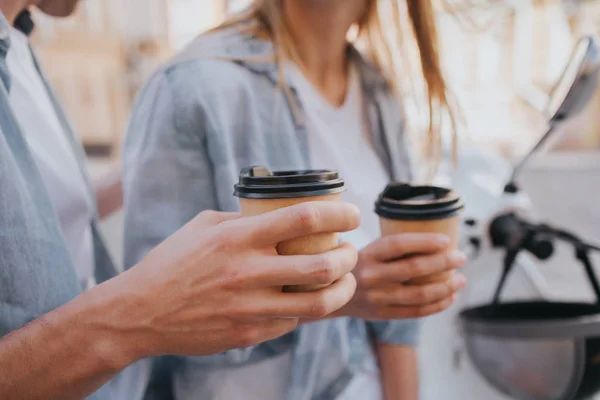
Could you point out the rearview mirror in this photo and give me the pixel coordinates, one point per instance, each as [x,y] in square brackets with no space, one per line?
[569,96]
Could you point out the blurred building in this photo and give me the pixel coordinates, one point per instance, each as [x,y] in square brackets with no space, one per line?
[501,61]
[99,58]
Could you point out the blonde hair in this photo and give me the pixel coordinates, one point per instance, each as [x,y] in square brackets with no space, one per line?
[385,45]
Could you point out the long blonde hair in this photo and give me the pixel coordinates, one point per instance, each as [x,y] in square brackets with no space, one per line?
[386,47]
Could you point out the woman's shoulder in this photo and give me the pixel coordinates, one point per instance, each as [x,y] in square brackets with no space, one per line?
[206,78]
[221,63]
[210,83]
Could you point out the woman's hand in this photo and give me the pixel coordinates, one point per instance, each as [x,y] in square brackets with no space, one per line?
[387,264]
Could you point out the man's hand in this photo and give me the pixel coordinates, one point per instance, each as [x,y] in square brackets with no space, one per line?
[213,286]
[388,263]
[216,284]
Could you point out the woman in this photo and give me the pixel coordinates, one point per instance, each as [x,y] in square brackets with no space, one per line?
[281,86]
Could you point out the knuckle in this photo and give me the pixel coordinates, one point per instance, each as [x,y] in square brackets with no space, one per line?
[248,335]
[398,243]
[374,299]
[416,266]
[350,260]
[222,236]
[232,238]
[366,277]
[352,218]
[421,312]
[319,309]
[307,217]
[362,276]
[422,295]
[223,246]
[235,266]
[448,261]
[236,277]
[326,269]
[449,288]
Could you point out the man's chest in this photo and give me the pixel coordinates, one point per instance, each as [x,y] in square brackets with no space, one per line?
[36,274]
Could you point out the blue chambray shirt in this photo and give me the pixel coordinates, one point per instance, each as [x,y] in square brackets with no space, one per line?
[211,111]
[36,271]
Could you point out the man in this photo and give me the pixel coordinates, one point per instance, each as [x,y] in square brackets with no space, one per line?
[67,324]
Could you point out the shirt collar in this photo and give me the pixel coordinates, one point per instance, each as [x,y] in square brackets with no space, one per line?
[24,22]
[4,36]
[258,55]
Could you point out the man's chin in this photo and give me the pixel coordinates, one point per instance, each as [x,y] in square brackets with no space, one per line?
[58,8]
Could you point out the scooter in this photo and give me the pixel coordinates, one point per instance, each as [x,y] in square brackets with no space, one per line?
[529,348]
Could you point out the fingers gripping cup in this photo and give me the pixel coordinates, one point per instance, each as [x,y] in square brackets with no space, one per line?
[261,191]
[403,208]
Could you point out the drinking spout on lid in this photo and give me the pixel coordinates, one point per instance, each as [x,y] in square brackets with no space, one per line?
[256,171]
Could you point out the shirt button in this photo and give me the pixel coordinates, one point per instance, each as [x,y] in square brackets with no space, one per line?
[3,34]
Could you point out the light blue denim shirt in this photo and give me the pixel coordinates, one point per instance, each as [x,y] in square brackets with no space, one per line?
[36,272]
[214,109]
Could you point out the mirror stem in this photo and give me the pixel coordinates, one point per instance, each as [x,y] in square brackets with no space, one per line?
[511,186]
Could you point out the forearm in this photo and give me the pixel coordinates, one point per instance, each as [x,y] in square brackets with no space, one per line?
[399,372]
[66,354]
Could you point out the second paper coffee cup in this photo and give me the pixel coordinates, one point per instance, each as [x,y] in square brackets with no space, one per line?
[261,190]
[403,208]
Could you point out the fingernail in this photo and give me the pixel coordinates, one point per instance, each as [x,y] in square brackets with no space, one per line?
[442,240]
[458,257]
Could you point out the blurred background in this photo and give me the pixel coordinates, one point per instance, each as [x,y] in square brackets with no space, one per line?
[501,58]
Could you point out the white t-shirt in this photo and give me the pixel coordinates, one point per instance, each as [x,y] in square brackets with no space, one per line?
[53,155]
[338,139]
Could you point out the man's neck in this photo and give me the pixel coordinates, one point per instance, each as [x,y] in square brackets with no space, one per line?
[12,8]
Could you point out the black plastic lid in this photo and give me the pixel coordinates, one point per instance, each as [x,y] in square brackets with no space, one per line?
[402,201]
[261,183]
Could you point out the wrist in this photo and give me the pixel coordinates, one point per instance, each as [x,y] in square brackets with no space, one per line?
[101,318]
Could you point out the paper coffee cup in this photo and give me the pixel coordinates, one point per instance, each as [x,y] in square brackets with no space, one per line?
[403,208]
[261,191]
